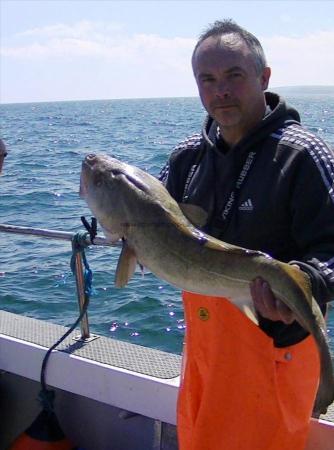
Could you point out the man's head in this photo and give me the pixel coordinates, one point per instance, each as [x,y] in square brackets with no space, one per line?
[229,28]
[3,154]
[231,73]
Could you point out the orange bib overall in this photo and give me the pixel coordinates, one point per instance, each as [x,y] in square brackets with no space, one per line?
[238,391]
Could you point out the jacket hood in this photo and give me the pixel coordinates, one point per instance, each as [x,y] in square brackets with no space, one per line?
[280,114]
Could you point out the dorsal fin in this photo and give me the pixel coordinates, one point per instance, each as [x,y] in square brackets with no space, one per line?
[195,214]
[174,213]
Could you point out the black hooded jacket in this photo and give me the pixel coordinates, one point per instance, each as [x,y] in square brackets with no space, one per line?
[281,178]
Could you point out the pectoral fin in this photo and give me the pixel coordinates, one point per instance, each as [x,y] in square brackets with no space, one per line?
[300,278]
[251,314]
[126,266]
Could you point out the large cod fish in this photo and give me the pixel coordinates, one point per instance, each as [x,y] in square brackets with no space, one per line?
[134,206]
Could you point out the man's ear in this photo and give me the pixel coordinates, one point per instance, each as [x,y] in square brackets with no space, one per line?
[265,78]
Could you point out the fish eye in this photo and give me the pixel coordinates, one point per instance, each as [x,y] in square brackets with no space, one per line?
[116,172]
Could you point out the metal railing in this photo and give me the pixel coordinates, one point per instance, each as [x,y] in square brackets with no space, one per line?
[79,273]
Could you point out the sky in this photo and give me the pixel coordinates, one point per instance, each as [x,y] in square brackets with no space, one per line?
[53,50]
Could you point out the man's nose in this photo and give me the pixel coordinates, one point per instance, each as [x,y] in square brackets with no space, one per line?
[222,89]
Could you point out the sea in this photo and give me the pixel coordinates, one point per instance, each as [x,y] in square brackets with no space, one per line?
[39,188]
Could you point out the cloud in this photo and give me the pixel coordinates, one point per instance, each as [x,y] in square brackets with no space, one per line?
[103,60]
[295,60]
[101,41]
[301,60]
[81,29]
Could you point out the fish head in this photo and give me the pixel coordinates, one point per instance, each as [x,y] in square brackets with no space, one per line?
[111,189]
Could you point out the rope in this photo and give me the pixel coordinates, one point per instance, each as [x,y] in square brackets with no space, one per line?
[80,241]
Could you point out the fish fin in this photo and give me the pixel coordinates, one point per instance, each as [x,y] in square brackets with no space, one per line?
[195,214]
[216,244]
[251,314]
[126,266]
[209,241]
[300,277]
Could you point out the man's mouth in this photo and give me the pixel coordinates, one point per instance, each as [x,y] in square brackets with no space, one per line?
[227,106]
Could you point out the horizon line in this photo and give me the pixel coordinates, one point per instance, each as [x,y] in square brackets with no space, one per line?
[297,86]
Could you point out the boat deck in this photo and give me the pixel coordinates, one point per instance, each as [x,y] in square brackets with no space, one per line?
[104,350]
[119,354]
[106,390]
[105,379]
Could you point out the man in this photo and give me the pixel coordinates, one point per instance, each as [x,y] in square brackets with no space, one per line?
[266,184]
[3,154]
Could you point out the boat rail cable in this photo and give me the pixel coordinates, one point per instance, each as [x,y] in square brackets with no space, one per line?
[46,396]
[51,234]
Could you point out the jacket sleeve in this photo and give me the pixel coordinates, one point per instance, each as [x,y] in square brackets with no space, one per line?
[312,212]
[170,176]
[175,172]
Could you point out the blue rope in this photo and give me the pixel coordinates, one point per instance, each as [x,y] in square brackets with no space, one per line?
[80,242]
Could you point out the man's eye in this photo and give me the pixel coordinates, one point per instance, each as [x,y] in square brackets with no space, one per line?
[236,75]
[207,80]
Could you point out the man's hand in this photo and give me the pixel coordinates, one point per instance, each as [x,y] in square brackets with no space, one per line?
[267,305]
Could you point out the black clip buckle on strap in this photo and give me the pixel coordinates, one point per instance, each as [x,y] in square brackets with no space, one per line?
[91,228]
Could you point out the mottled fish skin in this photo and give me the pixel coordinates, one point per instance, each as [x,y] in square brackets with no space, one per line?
[133,205]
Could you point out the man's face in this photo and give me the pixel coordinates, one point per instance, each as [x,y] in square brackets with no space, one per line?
[230,88]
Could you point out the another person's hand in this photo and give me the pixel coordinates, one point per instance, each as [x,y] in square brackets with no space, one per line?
[3,153]
[267,305]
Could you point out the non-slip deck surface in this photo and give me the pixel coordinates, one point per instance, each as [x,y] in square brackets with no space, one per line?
[116,353]
[104,350]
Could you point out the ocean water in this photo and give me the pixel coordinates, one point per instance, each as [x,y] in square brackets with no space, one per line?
[39,188]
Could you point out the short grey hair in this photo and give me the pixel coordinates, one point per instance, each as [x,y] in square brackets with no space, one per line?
[228,26]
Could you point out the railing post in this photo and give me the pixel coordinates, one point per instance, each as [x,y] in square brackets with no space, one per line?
[80,282]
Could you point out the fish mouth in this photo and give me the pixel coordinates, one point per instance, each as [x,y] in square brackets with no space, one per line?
[89,160]
[87,165]
[82,189]
[104,162]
